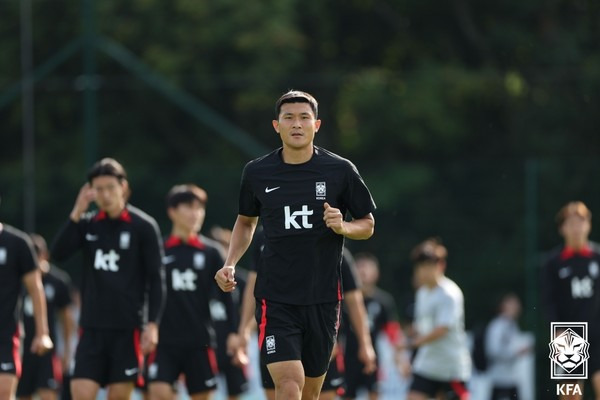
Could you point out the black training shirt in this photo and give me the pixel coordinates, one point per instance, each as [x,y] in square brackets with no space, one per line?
[122,266]
[300,262]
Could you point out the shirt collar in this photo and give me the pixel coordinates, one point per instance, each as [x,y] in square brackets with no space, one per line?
[193,241]
[569,252]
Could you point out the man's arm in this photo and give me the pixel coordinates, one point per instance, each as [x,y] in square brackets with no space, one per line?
[42,342]
[241,237]
[437,333]
[357,229]
[68,327]
[358,317]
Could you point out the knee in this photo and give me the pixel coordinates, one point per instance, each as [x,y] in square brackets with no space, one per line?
[288,388]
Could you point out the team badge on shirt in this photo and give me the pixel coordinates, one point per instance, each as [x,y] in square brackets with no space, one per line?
[124,240]
[2,255]
[594,269]
[320,190]
[199,260]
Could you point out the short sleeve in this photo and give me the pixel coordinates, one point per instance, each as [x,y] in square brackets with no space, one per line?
[357,196]
[447,312]
[249,205]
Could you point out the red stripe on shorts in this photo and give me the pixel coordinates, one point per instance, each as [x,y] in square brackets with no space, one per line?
[16,355]
[57,371]
[140,357]
[212,360]
[263,324]
[460,389]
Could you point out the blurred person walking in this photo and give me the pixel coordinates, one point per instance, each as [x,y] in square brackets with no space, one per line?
[442,364]
[122,284]
[187,335]
[42,374]
[18,266]
[382,319]
[571,281]
[504,345]
[302,194]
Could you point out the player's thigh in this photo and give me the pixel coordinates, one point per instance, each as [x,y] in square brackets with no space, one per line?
[91,361]
[280,331]
[286,372]
[8,385]
[160,391]
[84,389]
[47,394]
[119,391]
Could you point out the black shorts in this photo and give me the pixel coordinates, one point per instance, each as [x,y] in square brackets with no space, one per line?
[39,372]
[109,356]
[356,378]
[10,361]
[197,363]
[291,332]
[235,377]
[452,389]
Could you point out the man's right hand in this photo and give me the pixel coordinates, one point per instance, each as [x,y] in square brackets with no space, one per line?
[225,278]
[84,198]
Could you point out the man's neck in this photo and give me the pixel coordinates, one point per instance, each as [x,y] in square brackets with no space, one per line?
[182,233]
[297,156]
[576,244]
[116,212]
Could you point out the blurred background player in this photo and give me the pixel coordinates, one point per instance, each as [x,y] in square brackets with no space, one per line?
[382,319]
[187,336]
[233,374]
[122,274]
[571,277]
[18,265]
[42,375]
[504,345]
[442,363]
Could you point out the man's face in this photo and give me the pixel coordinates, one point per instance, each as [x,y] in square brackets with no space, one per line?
[368,272]
[426,273]
[296,125]
[109,193]
[188,216]
[576,228]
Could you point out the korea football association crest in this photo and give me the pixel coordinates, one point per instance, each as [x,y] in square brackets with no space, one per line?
[270,344]
[199,260]
[320,190]
[569,350]
[2,255]
[124,240]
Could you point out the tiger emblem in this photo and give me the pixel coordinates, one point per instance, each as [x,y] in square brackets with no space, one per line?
[569,350]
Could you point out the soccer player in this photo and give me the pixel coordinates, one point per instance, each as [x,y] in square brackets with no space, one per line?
[302,194]
[18,265]
[443,362]
[187,336]
[571,277]
[43,374]
[504,345]
[123,272]
[382,319]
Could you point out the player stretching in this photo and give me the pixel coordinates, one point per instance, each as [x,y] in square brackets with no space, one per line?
[302,193]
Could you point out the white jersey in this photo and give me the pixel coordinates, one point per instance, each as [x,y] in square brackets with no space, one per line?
[447,358]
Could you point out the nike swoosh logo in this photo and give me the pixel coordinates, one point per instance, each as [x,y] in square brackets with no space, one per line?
[131,371]
[269,190]
[210,382]
[6,366]
[91,238]
[168,259]
[336,381]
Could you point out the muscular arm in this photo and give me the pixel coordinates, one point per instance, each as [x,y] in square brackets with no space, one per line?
[357,229]
[241,237]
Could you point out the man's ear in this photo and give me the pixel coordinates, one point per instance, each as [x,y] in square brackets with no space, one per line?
[317,125]
[276,125]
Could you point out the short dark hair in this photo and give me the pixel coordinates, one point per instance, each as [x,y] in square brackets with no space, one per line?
[573,208]
[186,193]
[429,250]
[107,167]
[367,256]
[296,96]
